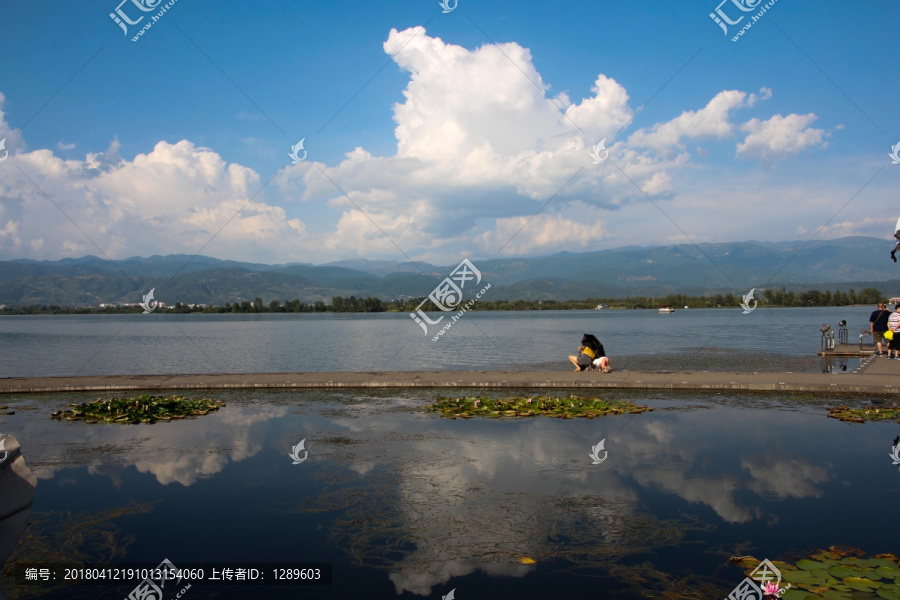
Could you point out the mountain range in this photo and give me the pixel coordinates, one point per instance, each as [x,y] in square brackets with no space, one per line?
[631,271]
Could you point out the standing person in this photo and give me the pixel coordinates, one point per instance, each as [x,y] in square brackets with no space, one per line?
[897,245]
[878,324]
[894,326]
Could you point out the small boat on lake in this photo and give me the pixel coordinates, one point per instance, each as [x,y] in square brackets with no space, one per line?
[601,307]
[666,309]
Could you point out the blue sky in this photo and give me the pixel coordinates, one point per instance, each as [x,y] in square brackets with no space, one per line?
[454,147]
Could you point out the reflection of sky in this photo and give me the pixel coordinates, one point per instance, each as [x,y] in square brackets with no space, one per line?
[470,496]
[763,466]
[177,452]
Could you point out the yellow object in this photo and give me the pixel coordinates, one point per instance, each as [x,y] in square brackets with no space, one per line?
[888,335]
[589,352]
[527,561]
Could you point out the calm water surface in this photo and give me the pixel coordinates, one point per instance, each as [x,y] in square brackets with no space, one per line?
[405,504]
[706,339]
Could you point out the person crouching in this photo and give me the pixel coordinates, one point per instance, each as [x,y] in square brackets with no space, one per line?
[589,350]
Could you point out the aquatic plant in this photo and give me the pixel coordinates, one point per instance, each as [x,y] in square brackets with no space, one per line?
[841,572]
[565,407]
[74,538]
[861,415]
[143,409]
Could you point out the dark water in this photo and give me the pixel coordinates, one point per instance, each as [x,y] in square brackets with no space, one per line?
[695,339]
[402,502]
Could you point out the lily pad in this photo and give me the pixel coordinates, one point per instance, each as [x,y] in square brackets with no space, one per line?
[809,565]
[794,594]
[835,595]
[143,409]
[888,594]
[861,583]
[565,407]
[888,572]
[841,572]
[861,415]
[801,577]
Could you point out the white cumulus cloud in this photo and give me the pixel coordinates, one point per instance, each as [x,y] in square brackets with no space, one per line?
[779,136]
[482,146]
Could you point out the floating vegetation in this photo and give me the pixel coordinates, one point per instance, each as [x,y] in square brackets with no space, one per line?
[143,409]
[838,573]
[339,440]
[564,408]
[64,537]
[861,415]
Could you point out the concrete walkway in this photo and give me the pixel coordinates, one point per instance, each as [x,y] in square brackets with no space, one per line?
[876,375]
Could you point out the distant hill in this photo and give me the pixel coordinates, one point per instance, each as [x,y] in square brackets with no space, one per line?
[852,262]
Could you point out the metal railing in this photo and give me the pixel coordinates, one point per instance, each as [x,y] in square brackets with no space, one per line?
[865,332]
[827,340]
[842,333]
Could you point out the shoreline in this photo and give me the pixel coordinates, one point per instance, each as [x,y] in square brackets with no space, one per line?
[875,376]
[81,311]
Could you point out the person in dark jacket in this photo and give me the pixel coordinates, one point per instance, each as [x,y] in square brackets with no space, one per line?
[878,324]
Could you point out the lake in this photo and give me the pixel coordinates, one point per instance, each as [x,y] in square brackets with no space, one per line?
[405,504]
[700,339]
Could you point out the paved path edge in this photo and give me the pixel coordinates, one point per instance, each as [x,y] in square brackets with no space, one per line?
[814,383]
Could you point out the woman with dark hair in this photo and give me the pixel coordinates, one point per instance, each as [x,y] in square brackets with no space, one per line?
[589,350]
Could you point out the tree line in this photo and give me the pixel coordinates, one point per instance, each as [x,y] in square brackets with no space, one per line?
[772,298]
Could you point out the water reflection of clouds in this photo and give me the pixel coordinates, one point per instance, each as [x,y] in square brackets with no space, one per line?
[176,452]
[715,492]
[473,495]
[773,472]
[422,582]
[480,500]
[782,476]
[457,495]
